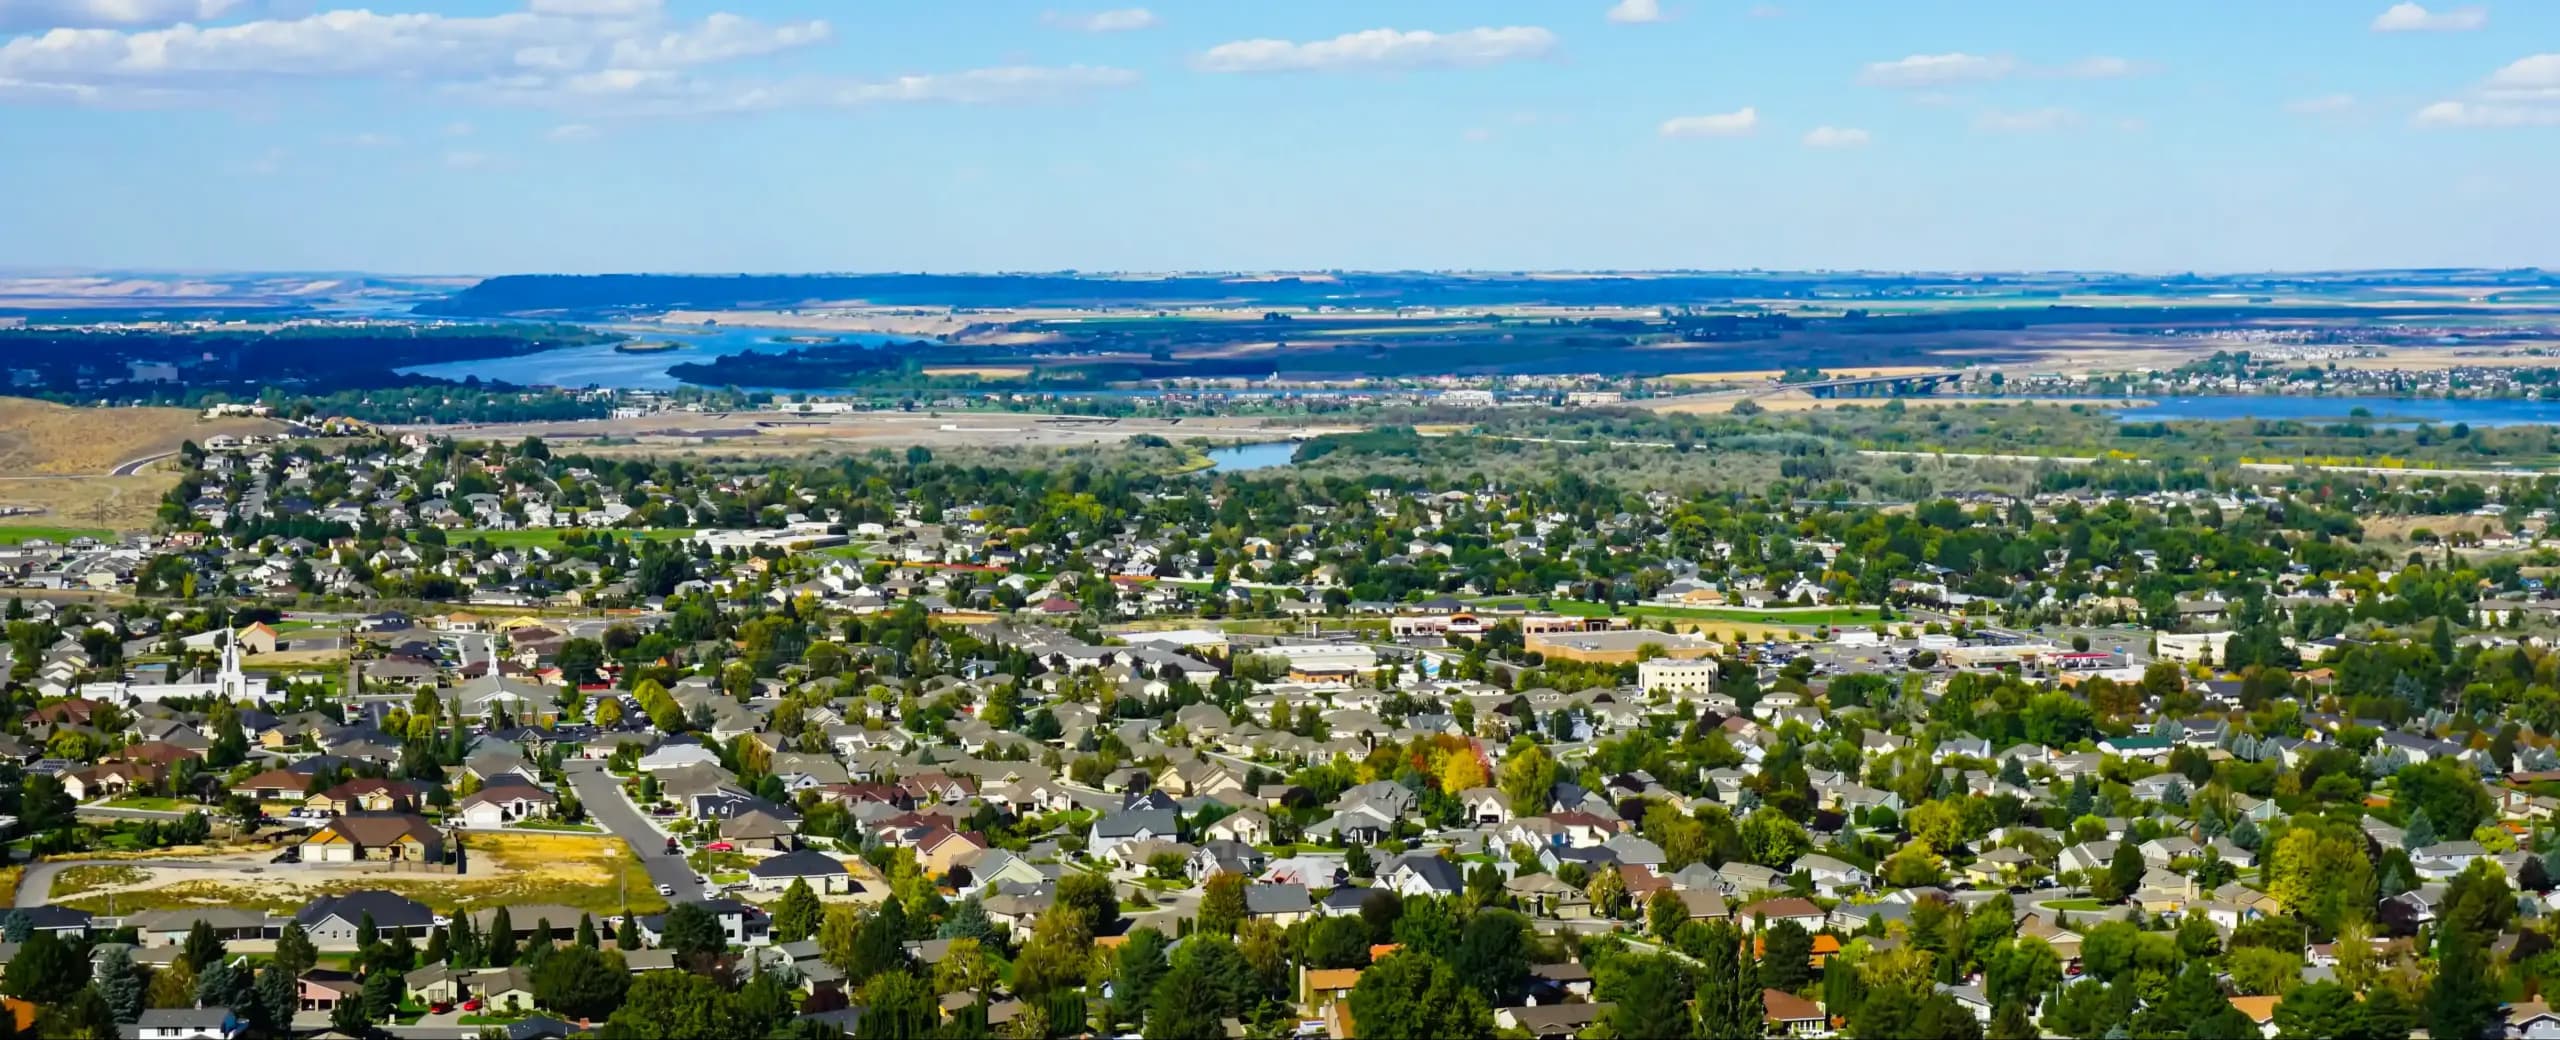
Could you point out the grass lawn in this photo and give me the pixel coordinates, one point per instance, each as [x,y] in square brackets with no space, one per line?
[14,534]
[146,802]
[75,880]
[559,826]
[2073,904]
[552,537]
[1836,616]
[854,551]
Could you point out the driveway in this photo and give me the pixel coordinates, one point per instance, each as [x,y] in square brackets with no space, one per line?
[601,793]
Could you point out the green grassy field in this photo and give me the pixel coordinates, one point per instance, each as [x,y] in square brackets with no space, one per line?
[1835,616]
[551,537]
[16,534]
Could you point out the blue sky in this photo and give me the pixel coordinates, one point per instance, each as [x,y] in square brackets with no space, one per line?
[487,136]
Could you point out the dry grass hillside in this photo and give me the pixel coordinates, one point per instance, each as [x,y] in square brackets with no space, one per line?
[57,459]
[42,439]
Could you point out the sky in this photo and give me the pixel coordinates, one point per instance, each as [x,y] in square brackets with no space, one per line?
[498,136]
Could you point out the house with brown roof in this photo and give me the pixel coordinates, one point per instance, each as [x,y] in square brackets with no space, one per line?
[1789,908]
[1793,1015]
[397,837]
[274,785]
[365,794]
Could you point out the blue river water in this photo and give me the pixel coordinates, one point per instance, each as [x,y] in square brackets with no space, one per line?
[1243,458]
[2378,411]
[602,366]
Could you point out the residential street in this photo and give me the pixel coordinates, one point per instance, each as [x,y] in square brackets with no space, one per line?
[599,791]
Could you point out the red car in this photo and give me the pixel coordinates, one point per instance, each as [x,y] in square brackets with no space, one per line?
[440,1007]
[472,1004]
[721,846]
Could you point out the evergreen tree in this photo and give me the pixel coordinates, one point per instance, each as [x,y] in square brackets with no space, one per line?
[367,933]
[2124,872]
[272,1012]
[1728,1000]
[502,939]
[2462,1002]
[2420,833]
[202,947]
[626,936]
[795,916]
[119,982]
[587,931]
[294,951]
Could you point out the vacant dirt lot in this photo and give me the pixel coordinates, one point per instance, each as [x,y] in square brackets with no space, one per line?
[592,873]
[40,438]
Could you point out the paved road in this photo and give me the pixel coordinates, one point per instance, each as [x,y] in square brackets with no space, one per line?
[36,887]
[601,793]
[128,469]
[112,812]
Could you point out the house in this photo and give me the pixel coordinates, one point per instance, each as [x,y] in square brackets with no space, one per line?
[323,989]
[398,837]
[213,1023]
[1832,875]
[1282,905]
[760,830]
[1551,1021]
[505,802]
[1415,874]
[1793,1015]
[1116,829]
[1249,827]
[334,921]
[1789,908]
[825,874]
[1486,806]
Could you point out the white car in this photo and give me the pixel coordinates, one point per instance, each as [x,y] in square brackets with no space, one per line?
[667,890]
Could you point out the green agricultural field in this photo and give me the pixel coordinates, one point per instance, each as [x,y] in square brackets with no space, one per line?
[1808,616]
[17,534]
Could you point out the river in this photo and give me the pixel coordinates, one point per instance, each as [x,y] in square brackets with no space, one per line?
[602,366]
[1243,458]
[2378,411]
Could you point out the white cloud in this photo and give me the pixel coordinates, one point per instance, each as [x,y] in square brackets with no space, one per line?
[2524,92]
[2325,104]
[2414,17]
[1125,19]
[1723,124]
[573,132]
[2537,77]
[2454,114]
[591,57]
[2033,121]
[86,14]
[596,8]
[1836,137]
[1380,49]
[1635,12]
[1937,70]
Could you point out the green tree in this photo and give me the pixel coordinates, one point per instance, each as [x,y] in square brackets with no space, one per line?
[673,1004]
[581,983]
[1644,996]
[1901,1012]
[202,947]
[691,931]
[2463,1000]
[1337,942]
[1185,1004]
[2319,1011]
[119,982]
[85,1016]
[1137,969]
[1493,956]
[1727,1002]
[796,914]
[897,1006]
[2124,872]
[1222,906]
[1786,962]
[45,971]
[1410,996]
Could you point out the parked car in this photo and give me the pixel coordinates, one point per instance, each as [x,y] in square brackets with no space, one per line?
[440,1007]
[472,1004]
[721,846]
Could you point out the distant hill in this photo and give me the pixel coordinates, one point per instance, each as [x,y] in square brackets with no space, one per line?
[40,438]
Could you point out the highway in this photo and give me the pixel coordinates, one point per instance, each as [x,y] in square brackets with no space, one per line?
[601,793]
